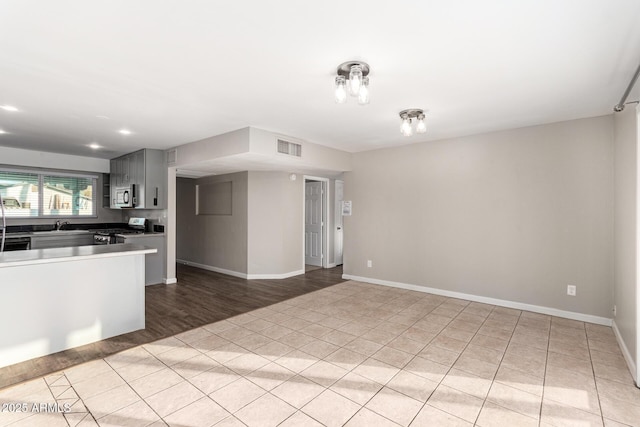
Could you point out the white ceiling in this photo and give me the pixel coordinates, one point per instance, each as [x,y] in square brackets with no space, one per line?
[179,71]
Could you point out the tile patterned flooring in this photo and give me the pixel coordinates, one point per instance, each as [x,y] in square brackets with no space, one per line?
[352,354]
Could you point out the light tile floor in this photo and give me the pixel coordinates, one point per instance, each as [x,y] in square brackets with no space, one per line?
[354,354]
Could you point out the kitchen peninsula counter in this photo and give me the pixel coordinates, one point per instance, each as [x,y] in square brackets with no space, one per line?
[60,298]
[73,253]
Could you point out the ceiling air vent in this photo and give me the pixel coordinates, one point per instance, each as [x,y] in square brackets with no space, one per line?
[289,148]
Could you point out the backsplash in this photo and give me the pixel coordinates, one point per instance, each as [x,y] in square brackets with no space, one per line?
[154,216]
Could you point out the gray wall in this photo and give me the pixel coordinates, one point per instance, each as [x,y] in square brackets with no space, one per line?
[514,215]
[275,223]
[263,236]
[213,240]
[626,176]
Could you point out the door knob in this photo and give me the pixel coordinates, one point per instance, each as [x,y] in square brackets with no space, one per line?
[339,228]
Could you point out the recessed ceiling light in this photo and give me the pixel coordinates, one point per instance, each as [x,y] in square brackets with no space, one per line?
[9,108]
[94,145]
[125,131]
[2,131]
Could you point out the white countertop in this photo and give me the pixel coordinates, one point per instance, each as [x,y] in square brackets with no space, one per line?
[74,253]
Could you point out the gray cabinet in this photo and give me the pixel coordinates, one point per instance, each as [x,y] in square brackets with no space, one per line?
[51,240]
[120,174]
[147,170]
[153,263]
[114,173]
[125,172]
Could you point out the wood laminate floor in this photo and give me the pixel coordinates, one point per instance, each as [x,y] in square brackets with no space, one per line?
[199,298]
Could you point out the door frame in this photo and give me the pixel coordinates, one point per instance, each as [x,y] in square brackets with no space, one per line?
[637,224]
[337,212]
[325,216]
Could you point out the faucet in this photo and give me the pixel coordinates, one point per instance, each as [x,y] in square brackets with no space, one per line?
[59,224]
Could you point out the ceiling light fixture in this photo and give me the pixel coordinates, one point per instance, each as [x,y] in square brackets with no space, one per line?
[2,131]
[125,131]
[356,74]
[9,108]
[407,115]
[94,145]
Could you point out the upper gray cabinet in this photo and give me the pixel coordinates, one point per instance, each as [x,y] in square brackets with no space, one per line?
[145,171]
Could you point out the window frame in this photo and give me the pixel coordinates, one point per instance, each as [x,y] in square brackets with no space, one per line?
[41,173]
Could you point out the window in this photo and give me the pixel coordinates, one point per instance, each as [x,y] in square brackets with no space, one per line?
[19,192]
[32,194]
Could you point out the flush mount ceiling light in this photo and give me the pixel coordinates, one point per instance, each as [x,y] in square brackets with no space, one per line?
[407,115]
[9,108]
[125,131]
[355,73]
[94,145]
[2,131]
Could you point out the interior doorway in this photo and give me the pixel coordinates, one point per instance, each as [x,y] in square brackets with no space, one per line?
[315,222]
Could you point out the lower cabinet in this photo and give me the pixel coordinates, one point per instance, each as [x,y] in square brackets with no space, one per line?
[154,263]
[46,241]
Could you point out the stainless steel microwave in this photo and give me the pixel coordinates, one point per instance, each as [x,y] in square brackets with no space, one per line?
[125,197]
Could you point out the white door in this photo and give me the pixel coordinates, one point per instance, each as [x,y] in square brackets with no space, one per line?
[313,223]
[338,222]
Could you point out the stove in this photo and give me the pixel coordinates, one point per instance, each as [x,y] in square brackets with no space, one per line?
[108,235]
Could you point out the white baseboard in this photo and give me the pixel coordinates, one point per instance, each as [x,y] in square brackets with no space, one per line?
[169,281]
[239,274]
[331,265]
[494,301]
[275,276]
[212,268]
[625,351]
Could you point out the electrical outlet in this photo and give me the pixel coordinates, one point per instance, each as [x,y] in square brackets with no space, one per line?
[571,290]
[369,263]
